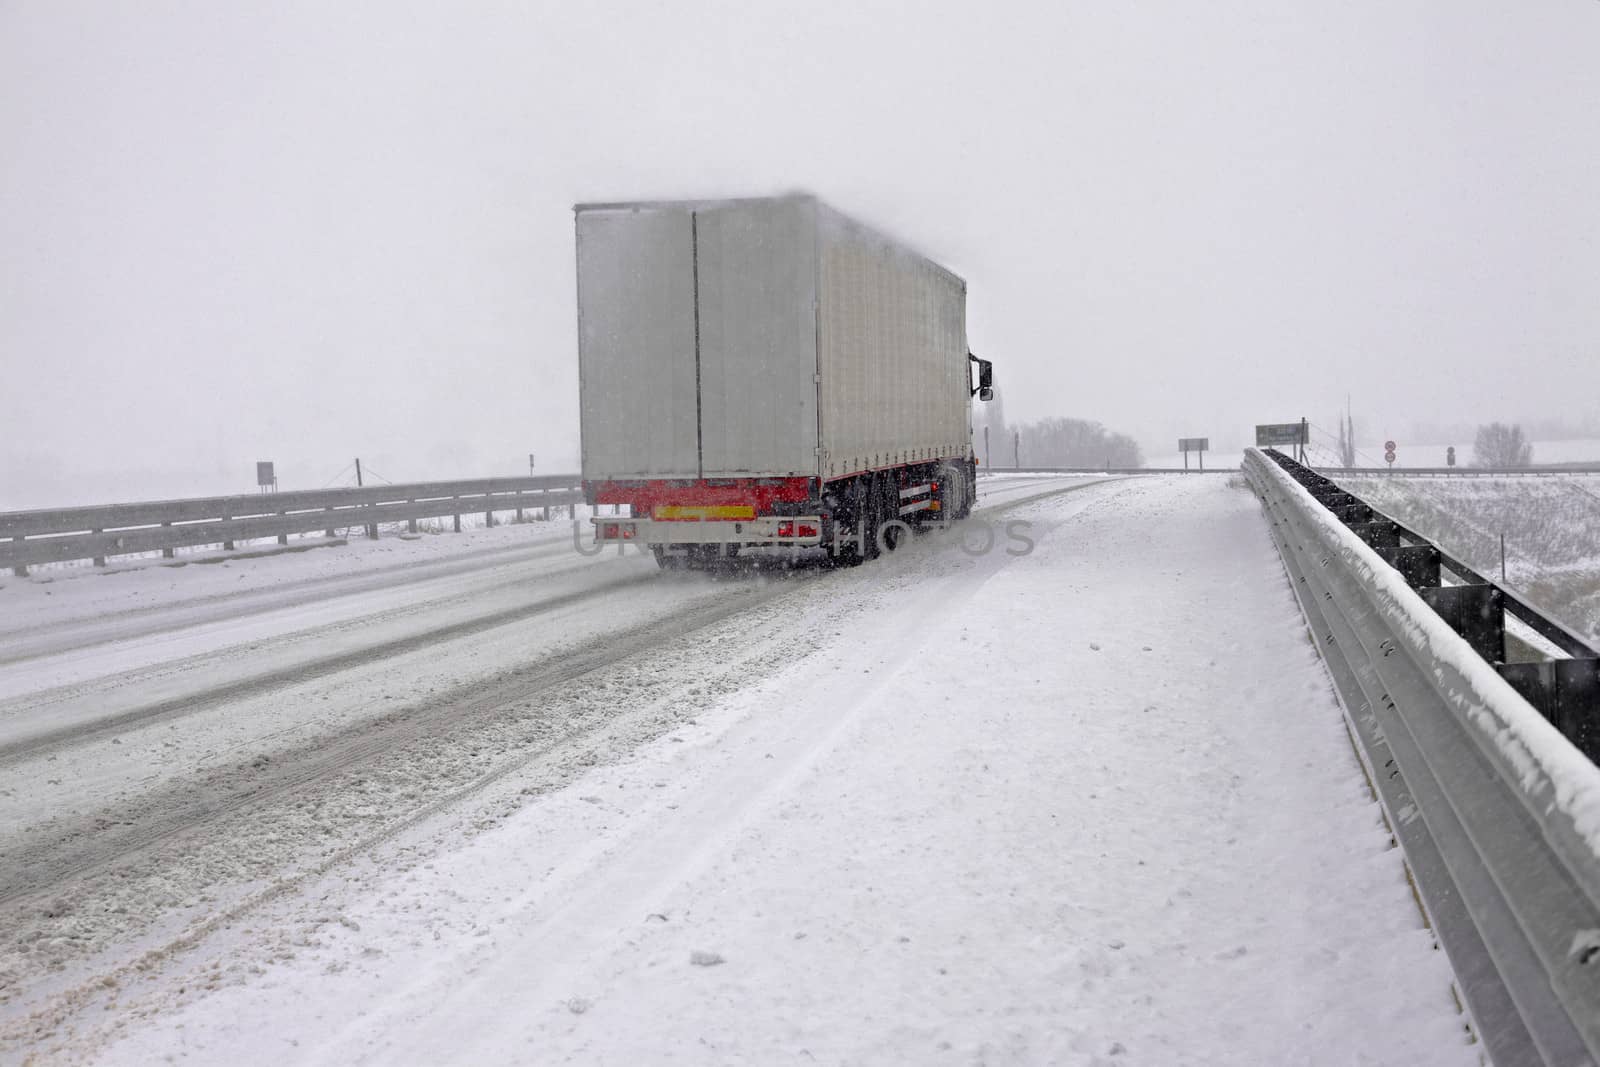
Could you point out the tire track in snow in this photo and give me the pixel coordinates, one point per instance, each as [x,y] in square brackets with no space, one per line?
[49,741]
[186,811]
[185,817]
[68,635]
[116,878]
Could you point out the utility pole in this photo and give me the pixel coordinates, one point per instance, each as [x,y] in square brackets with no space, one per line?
[1016,449]
[358,472]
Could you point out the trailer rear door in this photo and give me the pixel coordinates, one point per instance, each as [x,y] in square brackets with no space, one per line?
[636,345]
[756,280]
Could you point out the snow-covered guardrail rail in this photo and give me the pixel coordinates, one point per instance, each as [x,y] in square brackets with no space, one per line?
[57,535]
[1494,802]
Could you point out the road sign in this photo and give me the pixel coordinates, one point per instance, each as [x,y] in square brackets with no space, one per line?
[264,475]
[1282,433]
[1388,455]
[1194,444]
[1450,456]
[1388,446]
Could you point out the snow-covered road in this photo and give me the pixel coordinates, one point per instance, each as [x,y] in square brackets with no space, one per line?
[491,801]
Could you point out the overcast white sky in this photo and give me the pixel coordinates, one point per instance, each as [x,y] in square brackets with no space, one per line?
[309,231]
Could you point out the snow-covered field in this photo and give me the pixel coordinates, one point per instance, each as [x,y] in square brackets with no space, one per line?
[1551,526]
[480,799]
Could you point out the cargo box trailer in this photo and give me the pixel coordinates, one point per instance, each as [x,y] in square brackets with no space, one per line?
[768,372]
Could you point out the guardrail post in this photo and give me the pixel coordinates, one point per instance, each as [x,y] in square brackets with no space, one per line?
[1378,534]
[99,561]
[1353,514]
[411,523]
[488,520]
[1477,613]
[166,553]
[328,533]
[1417,564]
[457,516]
[227,546]
[1567,693]
[283,538]
[21,569]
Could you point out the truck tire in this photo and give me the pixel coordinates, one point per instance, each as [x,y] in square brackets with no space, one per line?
[967,480]
[891,530]
[956,491]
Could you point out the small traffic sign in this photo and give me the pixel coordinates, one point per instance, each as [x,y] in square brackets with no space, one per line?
[1388,454]
[1388,446]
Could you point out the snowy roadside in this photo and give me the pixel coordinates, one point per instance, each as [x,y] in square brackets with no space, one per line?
[1091,804]
[54,597]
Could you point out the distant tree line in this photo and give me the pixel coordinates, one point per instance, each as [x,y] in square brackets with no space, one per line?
[1056,441]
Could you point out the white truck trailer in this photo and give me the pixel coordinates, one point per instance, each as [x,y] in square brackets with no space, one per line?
[768,372]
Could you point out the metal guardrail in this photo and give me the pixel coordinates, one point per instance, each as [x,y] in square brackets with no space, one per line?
[60,534]
[1106,470]
[1498,812]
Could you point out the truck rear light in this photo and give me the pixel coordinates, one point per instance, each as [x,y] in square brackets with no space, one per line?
[805,529]
[611,531]
[785,529]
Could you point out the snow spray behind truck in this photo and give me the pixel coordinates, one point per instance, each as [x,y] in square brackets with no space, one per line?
[768,372]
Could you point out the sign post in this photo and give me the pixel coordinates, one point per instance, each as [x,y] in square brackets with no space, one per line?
[1194,444]
[1273,434]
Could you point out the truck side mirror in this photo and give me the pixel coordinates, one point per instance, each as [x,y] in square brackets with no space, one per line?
[985,389]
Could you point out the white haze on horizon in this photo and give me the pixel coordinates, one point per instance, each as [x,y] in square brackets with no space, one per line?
[305,232]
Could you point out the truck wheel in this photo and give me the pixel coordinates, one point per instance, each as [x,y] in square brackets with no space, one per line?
[891,530]
[667,561]
[872,516]
[967,480]
[854,519]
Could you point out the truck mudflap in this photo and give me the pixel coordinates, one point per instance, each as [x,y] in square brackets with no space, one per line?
[768,530]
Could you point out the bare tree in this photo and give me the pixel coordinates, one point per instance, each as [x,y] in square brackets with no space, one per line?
[1499,445]
[1347,442]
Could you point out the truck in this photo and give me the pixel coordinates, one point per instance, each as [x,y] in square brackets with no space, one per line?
[768,372]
